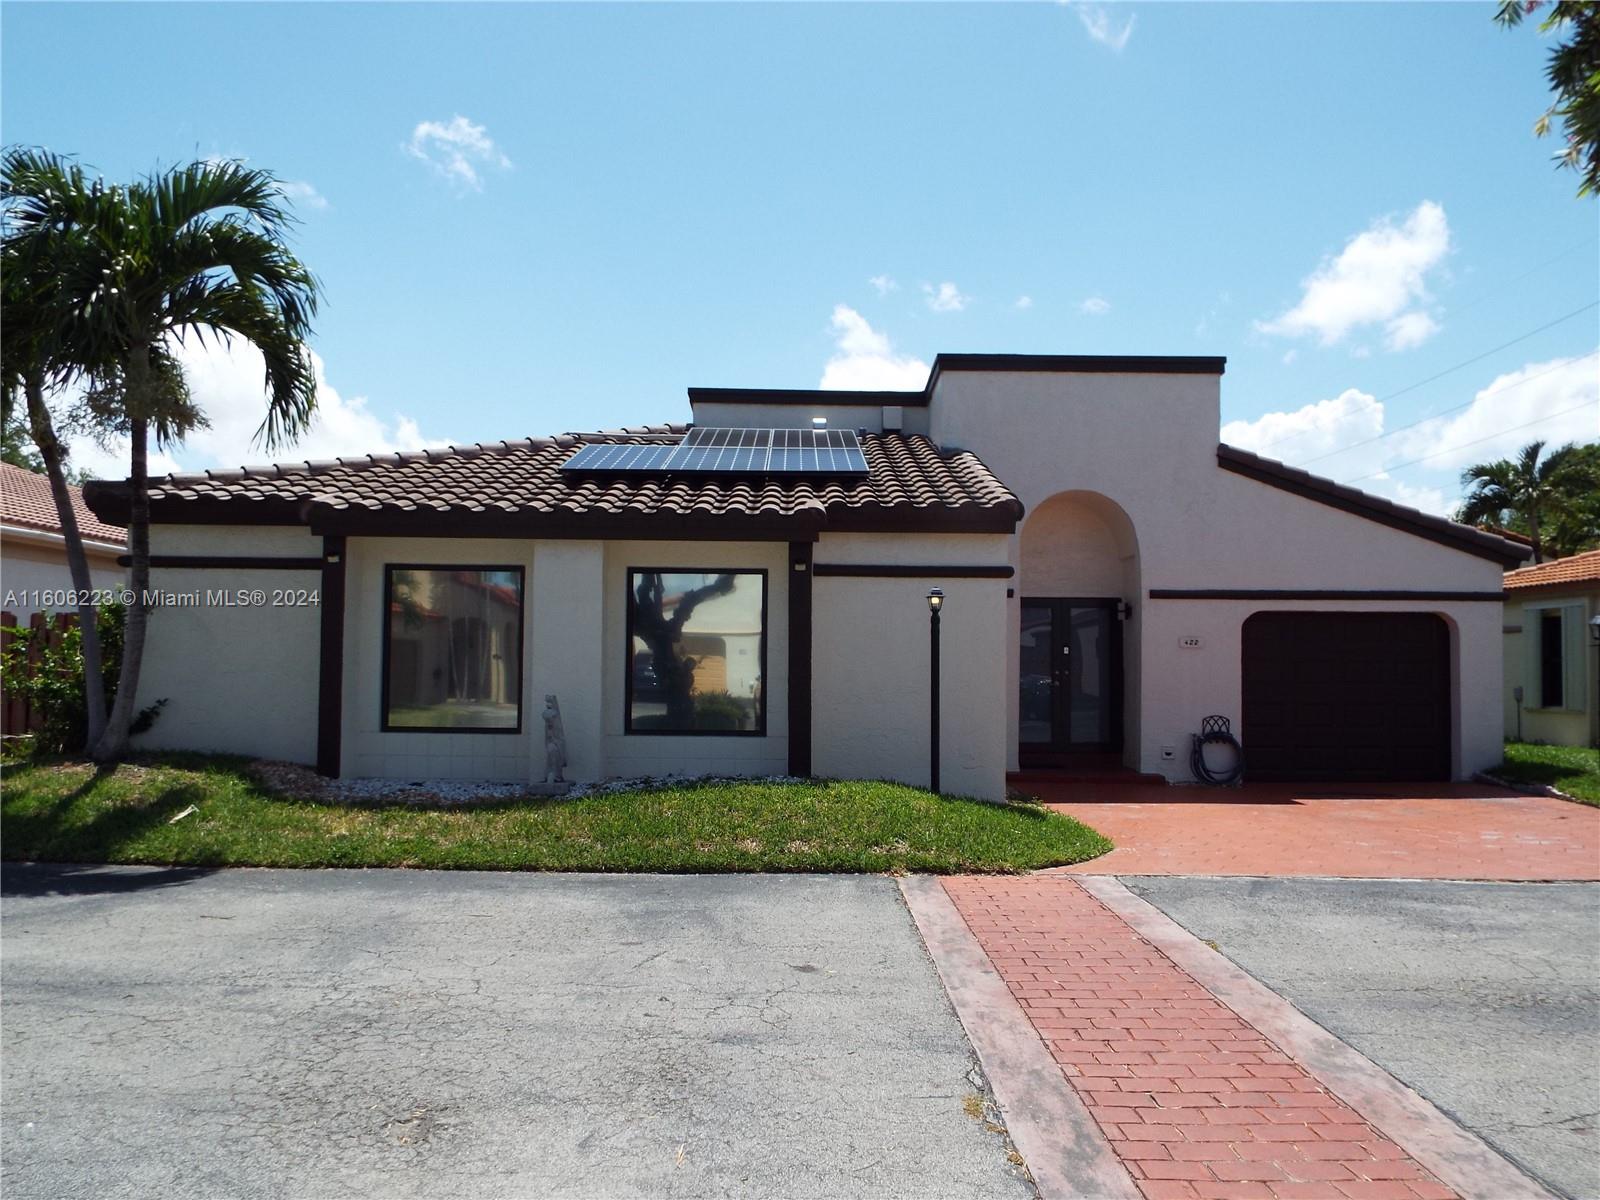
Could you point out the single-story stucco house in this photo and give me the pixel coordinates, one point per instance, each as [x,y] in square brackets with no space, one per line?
[747,594]
[34,576]
[1551,657]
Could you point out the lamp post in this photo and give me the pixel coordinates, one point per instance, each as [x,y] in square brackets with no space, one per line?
[935,603]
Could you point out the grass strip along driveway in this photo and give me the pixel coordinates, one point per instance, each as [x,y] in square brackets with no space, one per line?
[69,812]
[1574,770]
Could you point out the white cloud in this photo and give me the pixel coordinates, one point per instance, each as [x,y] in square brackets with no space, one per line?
[303,194]
[1557,400]
[1310,430]
[457,149]
[883,283]
[1095,306]
[226,382]
[1562,395]
[945,298]
[1433,500]
[1410,329]
[1380,277]
[1290,355]
[109,460]
[864,359]
[1099,24]
[1024,301]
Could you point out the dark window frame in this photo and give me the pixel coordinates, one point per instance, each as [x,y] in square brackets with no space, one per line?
[1552,659]
[760,731]
[522,613]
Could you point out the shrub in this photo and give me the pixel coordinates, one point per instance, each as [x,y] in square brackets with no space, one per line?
[720,710]
[53,683]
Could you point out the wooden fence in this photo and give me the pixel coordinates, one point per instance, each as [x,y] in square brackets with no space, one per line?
[16,714]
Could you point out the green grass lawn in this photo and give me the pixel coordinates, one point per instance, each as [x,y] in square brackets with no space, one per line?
[67,812]
[1574,770]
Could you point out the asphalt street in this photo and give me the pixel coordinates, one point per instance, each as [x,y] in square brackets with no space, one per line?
[406,1033]
[1484,997]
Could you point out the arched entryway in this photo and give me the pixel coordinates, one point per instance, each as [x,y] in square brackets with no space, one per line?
[1077,644]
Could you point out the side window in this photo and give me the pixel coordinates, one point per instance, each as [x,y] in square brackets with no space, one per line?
[1551,670]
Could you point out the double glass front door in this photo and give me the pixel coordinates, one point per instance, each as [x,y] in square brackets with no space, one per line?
[1070,675]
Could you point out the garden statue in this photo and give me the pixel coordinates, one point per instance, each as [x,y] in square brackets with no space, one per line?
[555,742]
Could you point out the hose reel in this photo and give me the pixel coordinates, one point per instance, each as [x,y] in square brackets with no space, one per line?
[1214,731]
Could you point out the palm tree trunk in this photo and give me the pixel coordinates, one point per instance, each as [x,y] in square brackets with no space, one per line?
[1533,535]
[44,436]
[113,743]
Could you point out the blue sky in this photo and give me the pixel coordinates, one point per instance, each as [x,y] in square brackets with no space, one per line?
[533,218]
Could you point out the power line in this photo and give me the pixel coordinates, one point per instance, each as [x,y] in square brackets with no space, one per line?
[1452,369]
[1447,411]
[1533,270]
[1475,441]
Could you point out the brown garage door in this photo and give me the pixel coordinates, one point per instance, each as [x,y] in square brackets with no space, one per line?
[1346,696]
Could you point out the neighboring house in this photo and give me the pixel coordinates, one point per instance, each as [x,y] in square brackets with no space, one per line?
[33,553]
[1550,652]
[748,595]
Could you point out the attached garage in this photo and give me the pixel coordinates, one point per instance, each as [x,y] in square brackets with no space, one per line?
[1346,696]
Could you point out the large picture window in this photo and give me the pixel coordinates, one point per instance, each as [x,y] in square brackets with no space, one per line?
[697,652]
[452,649]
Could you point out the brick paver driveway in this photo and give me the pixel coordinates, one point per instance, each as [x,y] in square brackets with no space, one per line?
[1448,831]
[1196,1101]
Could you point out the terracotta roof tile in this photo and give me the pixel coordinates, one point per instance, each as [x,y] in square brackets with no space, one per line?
[25,500]
[1579,568]
[906,475]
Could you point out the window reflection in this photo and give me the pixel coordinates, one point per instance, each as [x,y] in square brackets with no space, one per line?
[696,651]
[454,648]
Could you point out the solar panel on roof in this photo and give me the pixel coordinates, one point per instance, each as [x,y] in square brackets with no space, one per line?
[722,451]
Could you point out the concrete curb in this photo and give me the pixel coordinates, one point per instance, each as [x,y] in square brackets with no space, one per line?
[1526,789]
[1062,1145]
[1460,1160]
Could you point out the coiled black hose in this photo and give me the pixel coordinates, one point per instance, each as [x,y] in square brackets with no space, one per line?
[1214,731]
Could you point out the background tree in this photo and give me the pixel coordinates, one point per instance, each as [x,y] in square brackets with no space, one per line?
[1574,74]
[195,251]
[1550,498]
[16,444]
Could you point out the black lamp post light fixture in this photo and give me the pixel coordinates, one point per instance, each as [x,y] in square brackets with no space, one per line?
[935,603]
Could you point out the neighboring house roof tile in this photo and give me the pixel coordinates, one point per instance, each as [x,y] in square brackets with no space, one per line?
[519,485]
[25,500]
[1510,535]
[1373,508]
[1562,572]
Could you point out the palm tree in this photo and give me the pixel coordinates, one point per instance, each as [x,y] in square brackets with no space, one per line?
[1527,491]
[27,371]
[195,250]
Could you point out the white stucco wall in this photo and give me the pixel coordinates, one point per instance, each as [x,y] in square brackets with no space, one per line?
[33,567]
[627,755]
[869,417]
[1147,443]
[241,680]
[566,636]
[870,664]
[367,750]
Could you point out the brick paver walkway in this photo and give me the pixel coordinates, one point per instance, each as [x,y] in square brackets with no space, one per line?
[1452,831]
[1194,1100]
